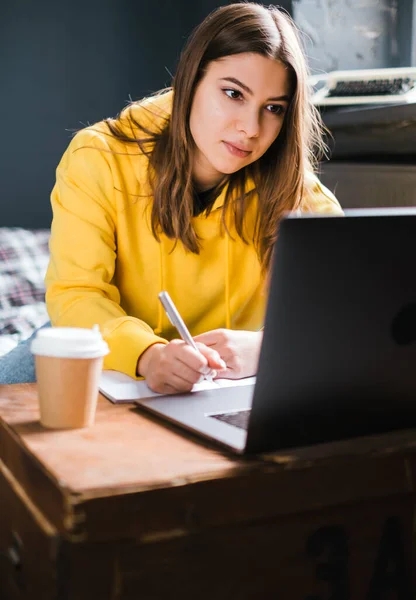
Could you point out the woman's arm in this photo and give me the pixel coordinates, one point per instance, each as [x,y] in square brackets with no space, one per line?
[80,277]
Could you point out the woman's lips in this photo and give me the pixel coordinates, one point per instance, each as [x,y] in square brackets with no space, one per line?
[236,151]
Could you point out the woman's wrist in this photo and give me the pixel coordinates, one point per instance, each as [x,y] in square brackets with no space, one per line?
[145,358]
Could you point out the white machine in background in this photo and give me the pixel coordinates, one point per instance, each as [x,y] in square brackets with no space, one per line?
[367,86]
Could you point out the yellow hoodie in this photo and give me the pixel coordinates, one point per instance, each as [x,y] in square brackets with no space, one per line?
[107,268]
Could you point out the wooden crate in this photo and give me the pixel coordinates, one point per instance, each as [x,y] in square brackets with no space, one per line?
[132,509]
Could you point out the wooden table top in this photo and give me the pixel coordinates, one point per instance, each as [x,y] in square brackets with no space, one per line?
[81,478]
[128,448]
[123,448]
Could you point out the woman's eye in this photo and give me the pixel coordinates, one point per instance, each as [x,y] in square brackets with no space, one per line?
[233,94]
[276,109]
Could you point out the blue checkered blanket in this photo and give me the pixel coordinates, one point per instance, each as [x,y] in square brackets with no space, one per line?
[24,256]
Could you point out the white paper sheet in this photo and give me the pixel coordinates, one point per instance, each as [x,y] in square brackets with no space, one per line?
[119,387]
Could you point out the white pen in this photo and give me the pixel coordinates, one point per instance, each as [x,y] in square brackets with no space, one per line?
[177,321]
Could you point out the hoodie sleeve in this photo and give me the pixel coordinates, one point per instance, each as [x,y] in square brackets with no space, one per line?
[80,289]
[318,199]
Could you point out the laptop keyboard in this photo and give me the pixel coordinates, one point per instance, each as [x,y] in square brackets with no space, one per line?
[237,419]
[375,87]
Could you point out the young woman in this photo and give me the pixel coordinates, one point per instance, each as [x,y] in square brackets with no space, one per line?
[184,192]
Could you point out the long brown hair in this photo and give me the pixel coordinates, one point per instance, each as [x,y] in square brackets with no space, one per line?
[279,175]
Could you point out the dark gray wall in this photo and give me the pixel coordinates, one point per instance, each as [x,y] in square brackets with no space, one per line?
[65,63]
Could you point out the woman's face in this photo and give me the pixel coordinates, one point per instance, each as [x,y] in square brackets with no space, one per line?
[236,114]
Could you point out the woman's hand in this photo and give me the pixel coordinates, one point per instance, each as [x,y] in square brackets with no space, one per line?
[240,350]
[175,367]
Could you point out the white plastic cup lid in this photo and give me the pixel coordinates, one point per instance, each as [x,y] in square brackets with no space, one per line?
[69,342]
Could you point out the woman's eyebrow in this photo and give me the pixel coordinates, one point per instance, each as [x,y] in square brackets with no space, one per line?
[283,98]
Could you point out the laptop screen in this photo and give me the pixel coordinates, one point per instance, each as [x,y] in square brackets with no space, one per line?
[339,349]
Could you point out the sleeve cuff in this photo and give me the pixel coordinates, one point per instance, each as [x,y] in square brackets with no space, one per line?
[127,343]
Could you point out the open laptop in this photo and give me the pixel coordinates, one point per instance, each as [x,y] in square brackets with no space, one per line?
[338,358]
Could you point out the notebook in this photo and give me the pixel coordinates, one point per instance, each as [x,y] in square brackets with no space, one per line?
[120,388]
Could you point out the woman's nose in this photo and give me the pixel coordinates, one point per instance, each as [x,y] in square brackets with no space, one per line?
[249,123]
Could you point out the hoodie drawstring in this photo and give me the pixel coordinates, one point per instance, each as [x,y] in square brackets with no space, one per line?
[158,330]
[227,281]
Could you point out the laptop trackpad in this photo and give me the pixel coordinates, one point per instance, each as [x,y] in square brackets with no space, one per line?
[236,418]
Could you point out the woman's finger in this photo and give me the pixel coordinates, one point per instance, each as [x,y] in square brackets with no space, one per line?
[211,338]
[184,371]
[214,358]
[178,383]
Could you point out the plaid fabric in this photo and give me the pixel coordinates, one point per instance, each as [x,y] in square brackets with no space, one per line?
[24,256]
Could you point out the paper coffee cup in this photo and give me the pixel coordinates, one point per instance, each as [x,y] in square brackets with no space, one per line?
[68,362]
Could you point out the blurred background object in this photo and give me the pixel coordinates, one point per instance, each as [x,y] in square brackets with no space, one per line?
[373,147]
[357,34]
